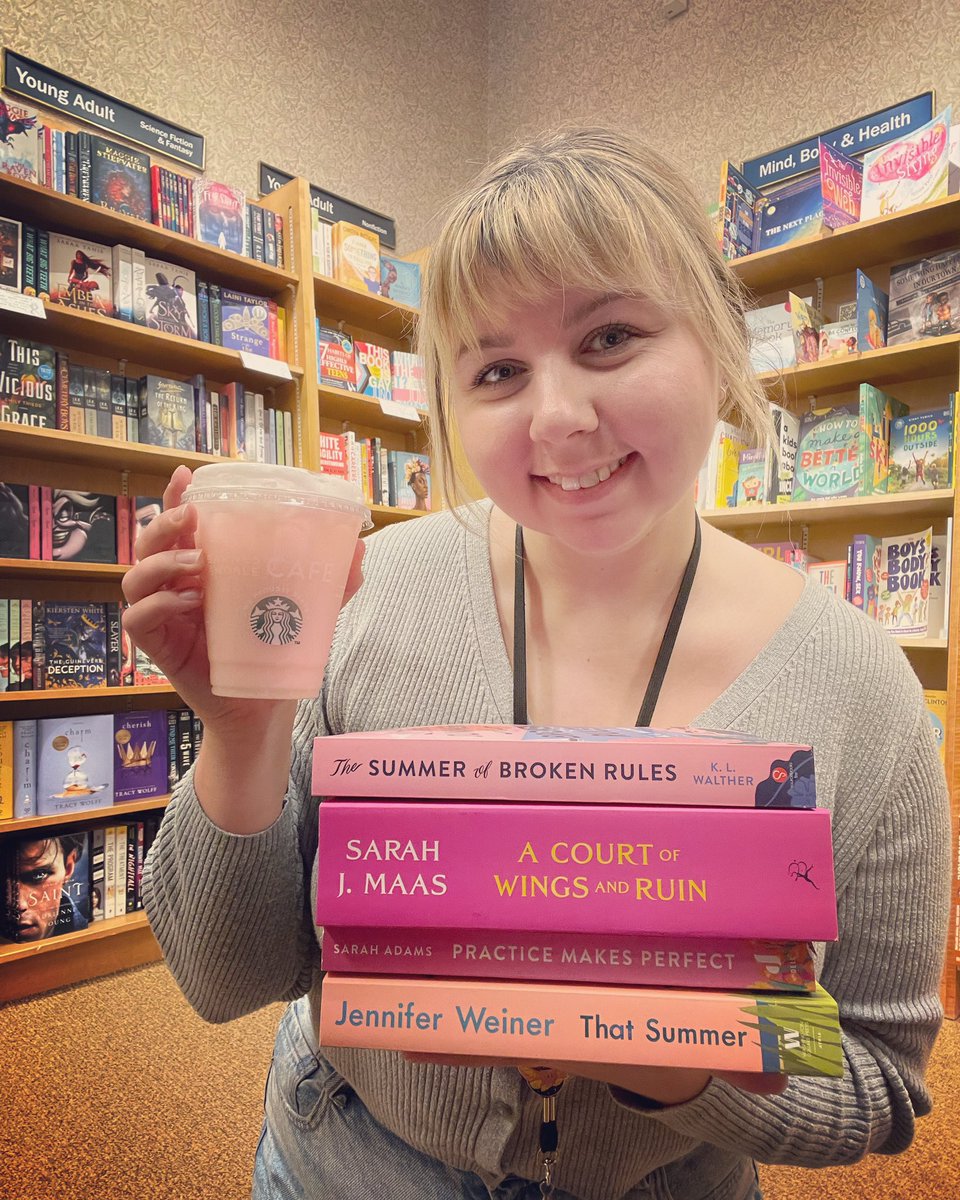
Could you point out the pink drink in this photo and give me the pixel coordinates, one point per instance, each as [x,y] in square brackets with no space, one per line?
[278,542]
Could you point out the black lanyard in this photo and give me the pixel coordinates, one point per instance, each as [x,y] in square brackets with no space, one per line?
[645,716]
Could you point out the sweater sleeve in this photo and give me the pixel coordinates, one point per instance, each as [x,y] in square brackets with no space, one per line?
[885,976]
[231,912]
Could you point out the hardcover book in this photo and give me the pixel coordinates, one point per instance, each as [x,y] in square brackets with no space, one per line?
[877,413]
[924,298]
[789,213]
[921,451]
[407,379]
[912,170]
[736,213]
[75,763]
[140,768]
[806,322]
[573,958]
[11,254]
[28,377]
[412,475]
[752,478]
[24,769]
[670,1027]
[170,298]
[119,178]
[838,339]
[400,280]
[904,584]
[828,456]
[582,868]
[167,416]
[872,313]
[831,575]
[939,602]
[557,763]
[356,257]
[82,527]
[44,885]
[865,573]
[336,359]
[841,187]
[80,275]
[219,215]
[373,370]
[771,337]
[76,645]
[935,702]
[19,145]
[245,322]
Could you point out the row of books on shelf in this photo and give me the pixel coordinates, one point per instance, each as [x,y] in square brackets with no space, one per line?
[121,178]
[902,581]
[914,169]
[124,282]
[560,889]
[397,478]
[352,365]
[877,446]
[351,255]
[55,766]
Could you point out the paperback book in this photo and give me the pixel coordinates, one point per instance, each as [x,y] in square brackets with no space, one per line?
[841,187]
[11,254]
[219,215]
[838,339]
[15,521]
[924,298]
[170,298]
[559,763]
[119,178]
[921,451]
[245,322]
[877,414]
[752,478]
[904,585]
[336,359]
[356,257]
[788,213]
[912,170]
[167,415]
[806,322]
[140,768]
[400,280]
[410,477]
[771,338]
[736,216]
[28,383]
[80,275]
[19,147]
[79,526]
[872,314]
[935,702]
[44,885]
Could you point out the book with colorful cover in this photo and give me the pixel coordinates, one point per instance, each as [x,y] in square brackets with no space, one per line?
[865,553]
[336,358]
[356,257]
[912,170]
[872,314]
[74,763]
[921,451]
[82,526]
[44,884]
[119,178]
[170,298]
[574,958]
[788,214]
[140,768]
[562,763]
[80,274]
[877,414]
[400,280]
[736,218]
[924,298]
[791,554]
[841,187]
[407,379]
[585,868]
[373,370]
[828,455]
[904,584]
[838,339]
[412,489]
[832,575]
[245,322]
[76,645]
[19,145]
[939,605]
[167,413]
[219,215]
[751,480]
[806,322]
[936,702]
[654,1027]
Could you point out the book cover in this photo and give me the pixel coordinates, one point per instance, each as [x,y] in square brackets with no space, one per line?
[936,702]
[11,254]
[219,215]
[146,673]
[336,358]
[44,885]
[736,217]
[373,370]
[84,527]
[400,280]
[76,645]
[937,608]
[245,322]
[413,480]
[904,585]
[782,461]
[167,416]
[573,958]
[751,478]
[19,141]
[333,458]
[771,338]
[356,257]
[841,187]
[80,275]
[921,451]
[789,213]
[838,339]
[559,763]
[28,383]
[924,298]
[407,379]
[669,1027]
[582,868]
[119,178]
[865,561]
[877,413]
[912,170]
[14,520]
[74,763]
[140,764]
[828,454]
[170,298]
[24,769]
[806,322]
[831,575]
[871,314]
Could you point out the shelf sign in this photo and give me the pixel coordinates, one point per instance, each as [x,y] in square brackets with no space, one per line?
[265,366]
[16,302]
[395,408]
[334,208]
[854,139]
[41,85]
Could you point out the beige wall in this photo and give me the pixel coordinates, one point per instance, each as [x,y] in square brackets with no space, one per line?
[381,101]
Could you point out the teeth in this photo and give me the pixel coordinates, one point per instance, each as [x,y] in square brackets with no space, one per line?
[574,483]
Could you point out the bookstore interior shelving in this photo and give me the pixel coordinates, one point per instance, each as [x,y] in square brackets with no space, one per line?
[922,374]
[76,461]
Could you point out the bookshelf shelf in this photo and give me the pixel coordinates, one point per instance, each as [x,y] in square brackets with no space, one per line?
[384,515]
[338,405]
[893,364]
[912,233]
[921,643]
[373,314]
[84,816]
[921,505]
[65,941]
[49,694]
[66,214]
[31,568]
[52,445]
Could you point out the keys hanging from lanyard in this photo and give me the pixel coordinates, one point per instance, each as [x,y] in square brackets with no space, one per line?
[545,1082]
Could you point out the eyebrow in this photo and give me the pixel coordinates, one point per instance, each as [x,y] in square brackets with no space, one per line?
[502,339]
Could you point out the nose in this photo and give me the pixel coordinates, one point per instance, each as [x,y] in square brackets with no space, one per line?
[562,403]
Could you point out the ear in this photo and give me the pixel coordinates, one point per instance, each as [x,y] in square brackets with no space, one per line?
[68,864]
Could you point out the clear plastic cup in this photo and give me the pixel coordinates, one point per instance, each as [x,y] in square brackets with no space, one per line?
[278,543]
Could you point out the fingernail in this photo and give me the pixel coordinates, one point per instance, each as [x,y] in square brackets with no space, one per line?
[188,558]
[190,596]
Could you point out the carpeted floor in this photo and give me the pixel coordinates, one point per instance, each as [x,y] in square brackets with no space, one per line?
[117,1091]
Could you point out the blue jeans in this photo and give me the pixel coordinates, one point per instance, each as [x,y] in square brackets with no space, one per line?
[319,1142]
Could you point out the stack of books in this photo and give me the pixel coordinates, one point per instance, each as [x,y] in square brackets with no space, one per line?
[576,895]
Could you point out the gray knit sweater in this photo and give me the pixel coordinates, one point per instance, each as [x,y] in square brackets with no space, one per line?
[421,645]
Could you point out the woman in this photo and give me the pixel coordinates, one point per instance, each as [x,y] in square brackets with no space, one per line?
[582,334]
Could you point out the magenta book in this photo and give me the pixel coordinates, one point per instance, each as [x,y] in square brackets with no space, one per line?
[556,764]
[581,868]
[727,963]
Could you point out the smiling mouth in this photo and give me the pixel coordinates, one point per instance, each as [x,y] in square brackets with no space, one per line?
[576,483]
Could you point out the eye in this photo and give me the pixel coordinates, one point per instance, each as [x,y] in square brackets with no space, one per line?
[610,337]
[498,373]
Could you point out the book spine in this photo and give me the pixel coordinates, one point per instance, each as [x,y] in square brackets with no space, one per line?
[130,860]
[97,873]
[63,392]
[46,524]
[288,437]
[173,772]
[39,645]
[156,205]
[203,311]
[644,869]
[216,315]
[24,769]
[33,521]
[139,286]
[30,260]
[114,648]
[184,741]
[576,958]
[83,166]
[670,1027]
[110,872]
[6,771]
[26,646]
[43,264]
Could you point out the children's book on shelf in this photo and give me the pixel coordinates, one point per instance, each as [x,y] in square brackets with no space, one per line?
[119,178]
[877,414]
[220,215]
[752,478]
[76,645]
[806,322]
[736,216]
[828,455]
[336,358]
[20,148]
[791,554]
[782,460]
[924,298]
[167,415]
[356,257]
[872,314]
[11,254]
[788,213]
[939,606]
[921,451]
[45,884]
[865,566]
[838,339]
[841,187]
[140,767]
[831,575]
[936,706]
[912,170]
[373,370]
[170,298]
[409,480]
[74,763]
[771,338]
[15,523]
[904,586]
[80,275]
[400,280]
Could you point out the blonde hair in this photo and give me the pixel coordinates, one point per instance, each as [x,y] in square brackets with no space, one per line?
[591,208]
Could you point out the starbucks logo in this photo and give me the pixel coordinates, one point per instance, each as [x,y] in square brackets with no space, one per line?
[276,621]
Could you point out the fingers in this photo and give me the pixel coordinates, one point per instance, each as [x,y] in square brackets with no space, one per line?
[174,527]
[168,569]
[157,610]
[179,481]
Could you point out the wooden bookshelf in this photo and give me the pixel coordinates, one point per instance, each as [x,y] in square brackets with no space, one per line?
[920,505]
[338,405]
[7,699]
[30,568]
[383,515]
[84,816]
[375,315]
[52,445]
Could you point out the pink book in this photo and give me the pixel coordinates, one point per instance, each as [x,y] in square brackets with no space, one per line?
[46,524]
[33,519]
[572,958]
[738,873]
[554,764]
[548,1022]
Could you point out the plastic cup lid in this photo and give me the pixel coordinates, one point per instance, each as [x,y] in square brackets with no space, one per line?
[259,482]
